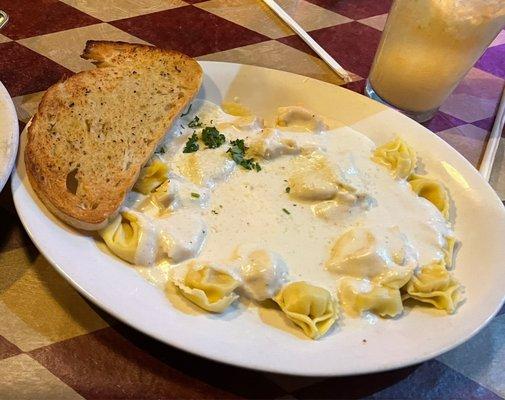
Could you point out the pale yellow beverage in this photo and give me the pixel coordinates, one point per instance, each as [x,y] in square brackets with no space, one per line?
[427,47]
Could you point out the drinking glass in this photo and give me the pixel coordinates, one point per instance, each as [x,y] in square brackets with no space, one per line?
[427,47]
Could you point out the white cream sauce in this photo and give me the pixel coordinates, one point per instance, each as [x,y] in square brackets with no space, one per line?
[241,207]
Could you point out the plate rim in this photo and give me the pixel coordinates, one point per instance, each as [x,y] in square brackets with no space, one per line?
[244,363]
[14,128]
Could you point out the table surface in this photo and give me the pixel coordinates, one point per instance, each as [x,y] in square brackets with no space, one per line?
[54,344]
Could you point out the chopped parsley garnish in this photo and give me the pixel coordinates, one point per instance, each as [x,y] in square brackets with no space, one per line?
[195,122]
[162,150]
[187,111]
[237,153]
[195,195]
[237,150]
[286,211]
[191,144]
[212,138]
[288,189]
[214,212]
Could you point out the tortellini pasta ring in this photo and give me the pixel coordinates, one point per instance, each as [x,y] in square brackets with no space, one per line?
[310,307]
[450,245]
[122,236]
[433,191]
[299,118]
[435,285]
[208,287]
[313,179]
[394,278]
[383,301]
[397,156]
[151,177]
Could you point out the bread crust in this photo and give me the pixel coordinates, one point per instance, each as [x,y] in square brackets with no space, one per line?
[94,131]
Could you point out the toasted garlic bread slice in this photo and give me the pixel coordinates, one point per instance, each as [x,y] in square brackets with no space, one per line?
[94,131]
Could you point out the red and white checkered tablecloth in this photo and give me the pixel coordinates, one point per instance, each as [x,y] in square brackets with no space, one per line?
[54,344]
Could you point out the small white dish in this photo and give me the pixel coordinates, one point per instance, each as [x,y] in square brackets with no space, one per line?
[9,135]
[243,337]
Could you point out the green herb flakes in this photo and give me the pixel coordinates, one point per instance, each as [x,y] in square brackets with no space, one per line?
[195,195]
[195,122]
[212,138]
[237,153]
[191,144]
[286,211]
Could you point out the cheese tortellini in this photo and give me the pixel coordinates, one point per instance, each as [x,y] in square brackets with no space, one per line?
[362,253]
[433,191]
[151,177]
[357,296]
[310,307]
[122,236]
[126,234]
[363,227]
[394,278]
[204,168]
[376,266]
[433,284]
[397,156]
[208,287]
[133,237]
[450,245]
[343,205]
[263,274]
[177,192]
[300,118]
[269,145]
[272,143]
[313,179]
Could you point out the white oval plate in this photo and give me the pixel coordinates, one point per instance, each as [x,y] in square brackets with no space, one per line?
[241,338]
[9,135]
